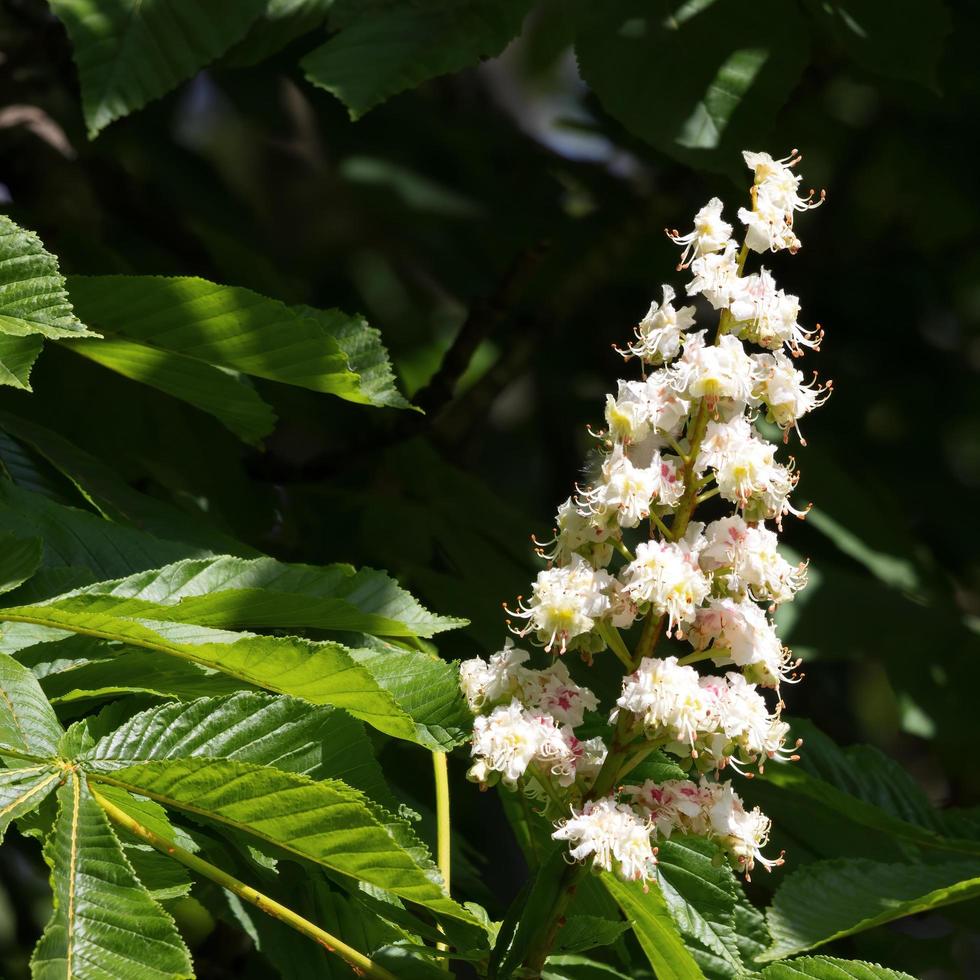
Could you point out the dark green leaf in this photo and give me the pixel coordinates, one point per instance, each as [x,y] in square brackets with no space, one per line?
[698,81]
[133,51]
[898,38]
[19,559]
[409,44]
[830,899]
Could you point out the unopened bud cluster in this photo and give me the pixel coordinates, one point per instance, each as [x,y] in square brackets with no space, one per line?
[626,550]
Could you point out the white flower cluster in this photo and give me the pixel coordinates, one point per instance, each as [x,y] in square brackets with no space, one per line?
[685,432]
[529,730]
[705,809]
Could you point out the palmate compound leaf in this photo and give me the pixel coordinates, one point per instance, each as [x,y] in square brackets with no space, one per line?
[318,672]
[828,900]
[228,328]
[262,592]
[133,51]
[325,821]
[409,43]
[648,914]
[105,923]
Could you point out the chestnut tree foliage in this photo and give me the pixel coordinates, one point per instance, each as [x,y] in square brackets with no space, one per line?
[305,313]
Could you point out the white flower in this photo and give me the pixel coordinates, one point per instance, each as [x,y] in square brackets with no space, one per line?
[576,533]
[746,559]
[565,603]
[483,682]
[613,836]
[642,408]
[667,575]
[744,636]
[784,390]
[746,470]
[626,492]
[743,833]
[710,234]
[588,755]
[659,333]
[506,741]
[675,804]
[775,197]
[668,700]
[721,370]
[628,414]
[755,734]
[552,691]
[715,276]
[769,228]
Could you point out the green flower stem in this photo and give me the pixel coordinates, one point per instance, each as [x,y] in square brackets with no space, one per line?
[358,962]
[614,641]
[440,768]
[699,655]
[639,756]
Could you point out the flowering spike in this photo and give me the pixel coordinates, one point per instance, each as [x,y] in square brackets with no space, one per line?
[685,431]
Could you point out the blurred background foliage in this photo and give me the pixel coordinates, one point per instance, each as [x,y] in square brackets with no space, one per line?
[503,227]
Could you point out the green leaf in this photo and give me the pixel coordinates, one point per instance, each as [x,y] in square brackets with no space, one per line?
[701,896]
[324,821]
[17,357]
[648,914]
[897,38]
[223,394]
[111,496]
[19,559]
[27,721]
[699,81]
[133,51]
[100,905]
[322,673]
[409,44]
[322,742]
[829,968]
[830,899]
[583,932]
[74,539]
[109,672]
[237,329]
[23,789]
[569,967]
[281,22]
[32,290]
[230,592]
